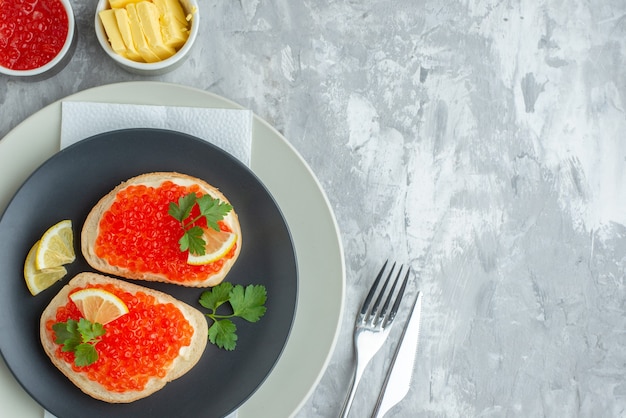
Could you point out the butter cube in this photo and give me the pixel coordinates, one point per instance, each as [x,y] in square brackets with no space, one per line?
[174,32]
[107,17]
[149,20]
[173,35]
[138,36]
[172,9]
[123,23]
[120,4]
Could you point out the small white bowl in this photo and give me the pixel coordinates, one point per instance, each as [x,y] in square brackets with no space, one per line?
[152,68]
[60,60]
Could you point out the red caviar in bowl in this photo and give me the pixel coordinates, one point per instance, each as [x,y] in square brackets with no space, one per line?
[136,347]
[138,234]
[32,32]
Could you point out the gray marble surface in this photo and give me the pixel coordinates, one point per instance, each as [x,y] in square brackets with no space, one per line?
[480,141]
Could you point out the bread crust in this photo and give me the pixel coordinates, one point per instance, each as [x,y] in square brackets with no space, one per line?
[90,230]
[188,357]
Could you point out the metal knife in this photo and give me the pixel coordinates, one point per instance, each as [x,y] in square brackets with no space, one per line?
[398,379]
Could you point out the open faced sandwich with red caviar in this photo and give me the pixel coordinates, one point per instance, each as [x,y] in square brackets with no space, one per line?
[163,226]
[118,341]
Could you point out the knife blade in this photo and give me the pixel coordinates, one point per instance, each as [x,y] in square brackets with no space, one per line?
[398,379]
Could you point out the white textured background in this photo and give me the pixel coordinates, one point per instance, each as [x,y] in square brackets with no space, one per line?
[481,141]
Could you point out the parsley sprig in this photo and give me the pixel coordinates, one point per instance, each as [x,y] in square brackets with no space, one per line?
[79,337]
[213,210]
[247,303]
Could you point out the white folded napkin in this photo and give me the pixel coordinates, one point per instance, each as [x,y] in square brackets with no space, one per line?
[229,129]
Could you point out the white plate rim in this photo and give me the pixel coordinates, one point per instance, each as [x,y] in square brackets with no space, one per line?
[306,208]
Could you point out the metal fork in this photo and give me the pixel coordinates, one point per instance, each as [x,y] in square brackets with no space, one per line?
[372,325]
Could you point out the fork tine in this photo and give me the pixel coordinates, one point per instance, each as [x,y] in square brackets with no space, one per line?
[374,314]
[396,305]
[383,312]
[366,303]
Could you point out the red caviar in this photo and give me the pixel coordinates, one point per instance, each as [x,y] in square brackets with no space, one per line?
[136,347]
[32,32]
[138,234]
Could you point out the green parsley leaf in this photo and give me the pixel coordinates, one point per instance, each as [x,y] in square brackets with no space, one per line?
[246,303]
[88,331]
[218,295]
[192,241]
[85,354]
[223,334]
[79,337]
[213,210]
[182,211]
[67,334]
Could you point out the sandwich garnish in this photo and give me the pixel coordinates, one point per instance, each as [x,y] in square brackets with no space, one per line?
[204,245]
[79,337]
[98,307]
[247,303]
[46,260]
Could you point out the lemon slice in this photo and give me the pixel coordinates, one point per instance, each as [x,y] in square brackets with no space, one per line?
[218,244]
[56,246]
[98,305]
[39,280]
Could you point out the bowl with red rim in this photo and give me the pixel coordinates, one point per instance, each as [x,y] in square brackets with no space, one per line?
[36,36]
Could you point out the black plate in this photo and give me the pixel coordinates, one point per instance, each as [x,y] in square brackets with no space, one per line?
[66,187]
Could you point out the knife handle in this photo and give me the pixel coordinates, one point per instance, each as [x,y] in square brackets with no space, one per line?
[377,412]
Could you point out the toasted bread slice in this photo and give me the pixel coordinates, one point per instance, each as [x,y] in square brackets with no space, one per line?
[91,230]
[188,356]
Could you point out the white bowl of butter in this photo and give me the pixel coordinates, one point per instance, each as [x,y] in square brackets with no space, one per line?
[147,37]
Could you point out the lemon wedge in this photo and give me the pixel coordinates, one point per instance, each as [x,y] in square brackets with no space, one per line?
[218,244]
[98,305]
[56,246]
[39,280]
